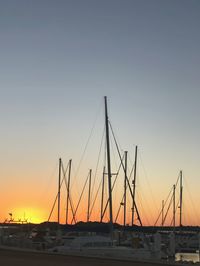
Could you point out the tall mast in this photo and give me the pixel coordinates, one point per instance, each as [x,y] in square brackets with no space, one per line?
[59,180]
[181,197]
[88,211]
[125,175]
[174,206]
[108,165]
[134,185]
[102,195]
[68,189]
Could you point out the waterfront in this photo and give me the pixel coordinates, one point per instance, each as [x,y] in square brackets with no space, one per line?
[20,258]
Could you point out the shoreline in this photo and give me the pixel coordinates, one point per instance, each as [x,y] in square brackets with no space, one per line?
[11,255]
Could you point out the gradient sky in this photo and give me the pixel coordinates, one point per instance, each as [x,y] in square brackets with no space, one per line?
[57,61]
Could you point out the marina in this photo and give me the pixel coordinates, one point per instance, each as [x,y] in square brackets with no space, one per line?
[99,139]
[104,239]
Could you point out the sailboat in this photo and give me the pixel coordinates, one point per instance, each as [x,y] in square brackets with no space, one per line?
[95,245]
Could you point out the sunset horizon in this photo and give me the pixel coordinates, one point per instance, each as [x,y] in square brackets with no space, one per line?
[99,139]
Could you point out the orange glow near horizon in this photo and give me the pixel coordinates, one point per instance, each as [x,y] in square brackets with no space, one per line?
[34,202]
[38,215]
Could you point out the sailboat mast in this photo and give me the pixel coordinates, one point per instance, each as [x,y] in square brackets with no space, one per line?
[134,185]
[108,164]
[125,176]
[181,197]
[59,180]
[102,195]
[174,206]
[68,188]
[88,211]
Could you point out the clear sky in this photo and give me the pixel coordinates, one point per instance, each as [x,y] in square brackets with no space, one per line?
[57,61]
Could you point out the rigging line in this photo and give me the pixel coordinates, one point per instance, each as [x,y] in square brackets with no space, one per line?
[175,212]
[131,163]
[72,165]
[64,170]
[188,216]
[190,196]
[72,208]
[112,188]
[171,200]
[74,181]
[165,202]
[70,200]
[55,200]
[113,153]
[135,205]
[54,203]
[158,218]
[132,170]
[117,215]
[177,180]
[141,205]
[95,198]
[129,211]
[118,212]
[120,158]
[117,174]
[52,208]
[142,196]
[123,196]
[106,196]
[147,180]
[95,175]
[81,196]
[46,188]
[88,140]
[116,138]
[103,192]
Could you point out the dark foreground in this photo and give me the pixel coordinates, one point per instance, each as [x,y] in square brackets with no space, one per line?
[20,258]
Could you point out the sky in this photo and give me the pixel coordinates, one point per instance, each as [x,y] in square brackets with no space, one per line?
[58,59]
